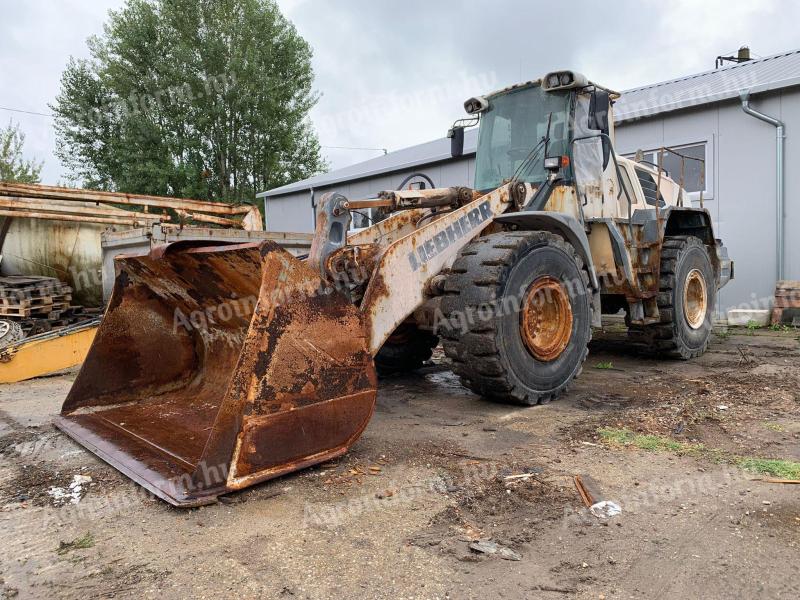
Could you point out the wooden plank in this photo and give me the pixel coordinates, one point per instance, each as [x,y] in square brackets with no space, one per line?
[35,292]
[25,280]
[780,303]
[15,312]
[27,302]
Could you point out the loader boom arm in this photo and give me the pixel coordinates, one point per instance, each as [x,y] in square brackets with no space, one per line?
[399,282]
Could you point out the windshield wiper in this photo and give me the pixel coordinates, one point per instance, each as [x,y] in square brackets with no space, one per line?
[547,133]
[533,155]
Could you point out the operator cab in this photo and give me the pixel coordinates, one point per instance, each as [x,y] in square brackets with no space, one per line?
[549,133]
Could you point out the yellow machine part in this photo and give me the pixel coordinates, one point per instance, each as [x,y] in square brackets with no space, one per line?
[35,358]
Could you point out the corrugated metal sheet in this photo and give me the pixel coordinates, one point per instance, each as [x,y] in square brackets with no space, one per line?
[421,154]
[759,75]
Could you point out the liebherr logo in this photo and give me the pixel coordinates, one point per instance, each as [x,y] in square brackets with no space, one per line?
[437,244]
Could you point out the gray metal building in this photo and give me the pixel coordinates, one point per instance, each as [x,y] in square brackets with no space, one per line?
[701,114]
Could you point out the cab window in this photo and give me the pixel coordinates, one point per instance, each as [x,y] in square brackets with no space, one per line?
[649,187]
[627,195]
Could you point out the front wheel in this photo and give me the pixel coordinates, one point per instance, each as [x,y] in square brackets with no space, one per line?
[517,316]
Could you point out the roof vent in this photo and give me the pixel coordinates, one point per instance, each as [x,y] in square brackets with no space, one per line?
[743,55]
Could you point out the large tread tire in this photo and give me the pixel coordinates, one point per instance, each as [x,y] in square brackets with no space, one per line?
[673,337]
[481,326]
[407,349]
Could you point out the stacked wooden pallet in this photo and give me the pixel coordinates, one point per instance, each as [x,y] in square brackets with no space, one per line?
[787,302]
[29,296]
[71,316]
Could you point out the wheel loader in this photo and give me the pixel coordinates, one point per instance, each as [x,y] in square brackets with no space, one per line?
[218,367]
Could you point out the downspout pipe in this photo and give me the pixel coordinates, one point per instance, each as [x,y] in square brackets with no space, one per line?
[313,206]
[779,178]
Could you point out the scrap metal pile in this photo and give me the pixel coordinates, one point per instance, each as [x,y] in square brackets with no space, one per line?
[35,201]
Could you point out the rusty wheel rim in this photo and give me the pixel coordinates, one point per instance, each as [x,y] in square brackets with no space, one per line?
[546,319]
[695,299]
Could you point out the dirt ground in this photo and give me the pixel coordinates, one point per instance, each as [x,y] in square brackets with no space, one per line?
[395,517]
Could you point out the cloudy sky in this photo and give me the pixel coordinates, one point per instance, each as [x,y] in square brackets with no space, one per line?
[393,74]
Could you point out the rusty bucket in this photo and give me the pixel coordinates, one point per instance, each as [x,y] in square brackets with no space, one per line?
[218,367]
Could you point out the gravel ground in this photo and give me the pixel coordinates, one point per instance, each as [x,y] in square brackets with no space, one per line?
[693,523]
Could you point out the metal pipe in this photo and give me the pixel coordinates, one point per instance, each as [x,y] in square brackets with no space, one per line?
[313,206]
[779,183]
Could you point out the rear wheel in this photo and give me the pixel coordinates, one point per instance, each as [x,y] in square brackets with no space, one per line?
[686,300]
[407,349]
[517,316]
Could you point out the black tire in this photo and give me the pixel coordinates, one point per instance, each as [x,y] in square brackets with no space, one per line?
[407,349]
[674,336]
[10,332]
[481,327]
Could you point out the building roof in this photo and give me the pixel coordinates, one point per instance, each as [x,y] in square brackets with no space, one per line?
[758,75]
[399,160]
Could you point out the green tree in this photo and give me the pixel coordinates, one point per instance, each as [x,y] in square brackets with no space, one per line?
[12,166]
[195,98]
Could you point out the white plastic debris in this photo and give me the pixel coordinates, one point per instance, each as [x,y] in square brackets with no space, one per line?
[605,509]
[73,494]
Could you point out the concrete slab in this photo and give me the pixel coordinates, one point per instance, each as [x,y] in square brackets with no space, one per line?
[743,316]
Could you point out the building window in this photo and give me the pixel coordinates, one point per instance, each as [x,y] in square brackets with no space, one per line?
[694,179]
[361,218]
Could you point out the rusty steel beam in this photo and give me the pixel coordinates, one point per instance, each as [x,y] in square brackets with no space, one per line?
[34,204]
[77,218]
[208,219]
[62,193]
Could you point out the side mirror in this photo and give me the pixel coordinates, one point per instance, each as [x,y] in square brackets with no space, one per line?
[598,110]
[456,135]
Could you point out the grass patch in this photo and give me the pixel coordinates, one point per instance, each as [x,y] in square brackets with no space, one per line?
[752,326]
[81,543]
[652,443]
[604,365]
[775,427]
[783,469]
